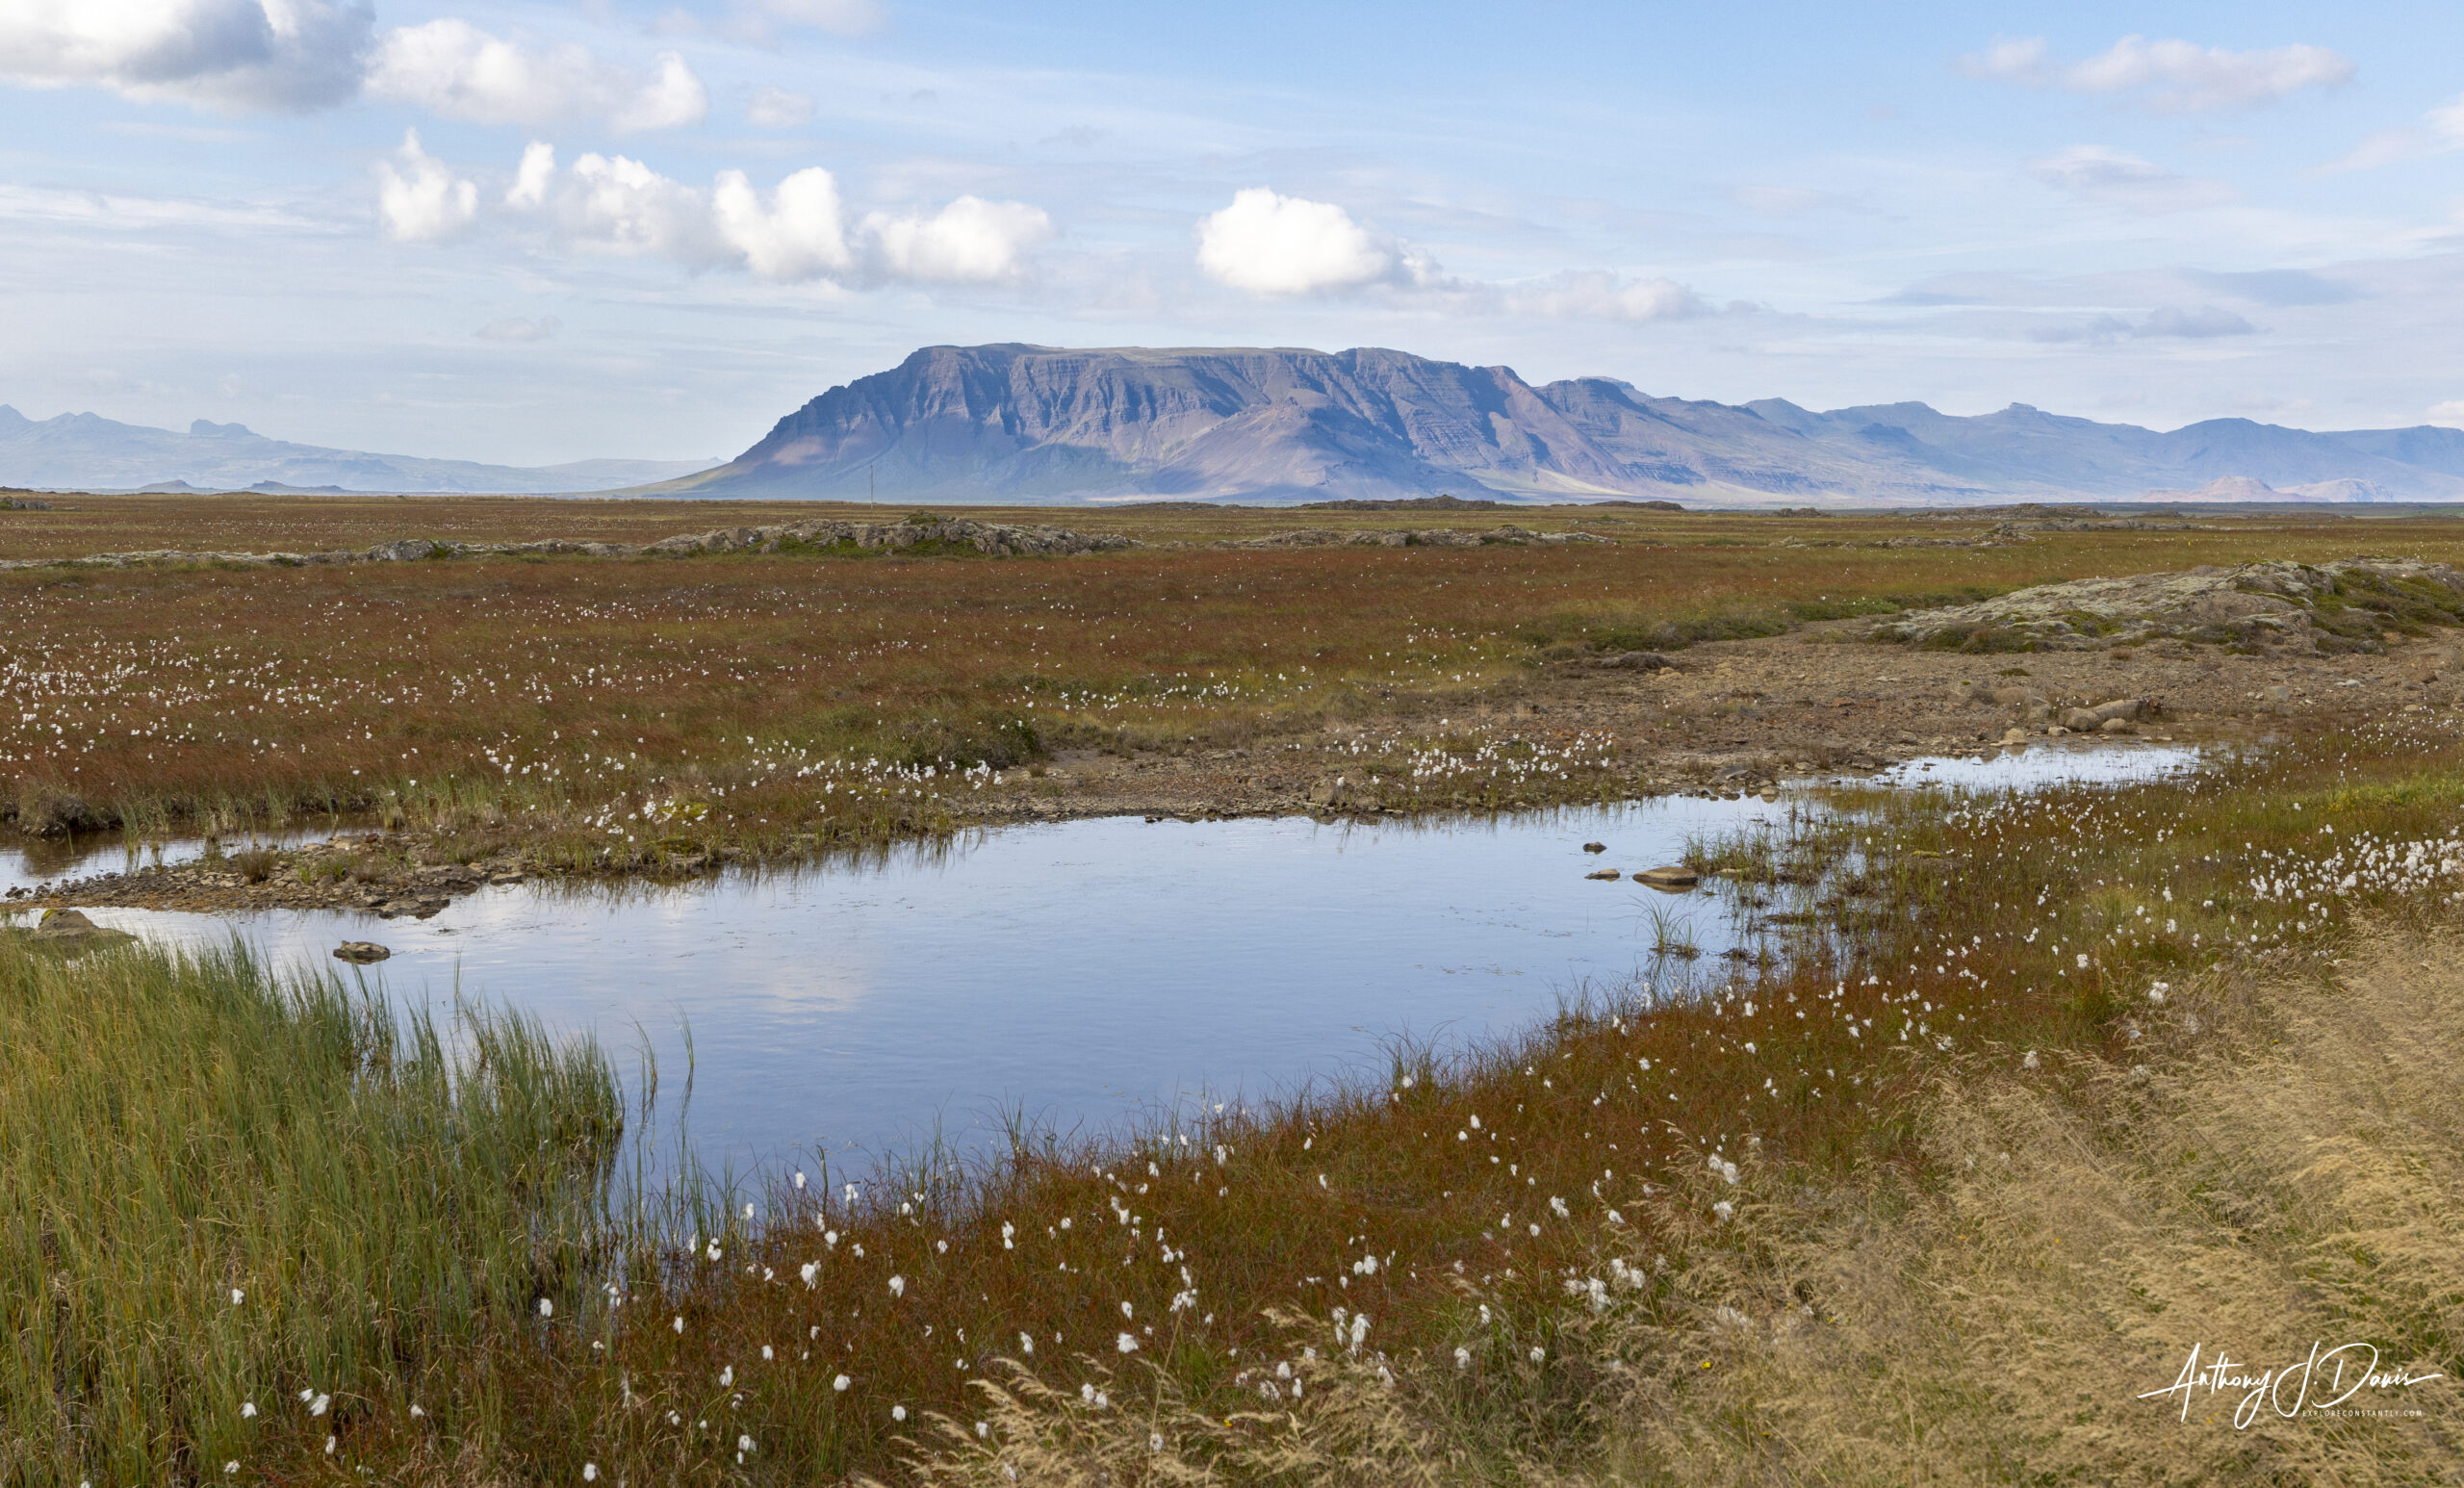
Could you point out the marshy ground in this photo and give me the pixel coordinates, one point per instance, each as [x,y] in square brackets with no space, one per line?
[2035,1095]
[673,714]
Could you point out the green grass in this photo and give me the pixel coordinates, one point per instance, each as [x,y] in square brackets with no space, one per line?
[219,1187]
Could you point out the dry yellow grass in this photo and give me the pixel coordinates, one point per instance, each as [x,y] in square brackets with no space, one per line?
[2284,1170]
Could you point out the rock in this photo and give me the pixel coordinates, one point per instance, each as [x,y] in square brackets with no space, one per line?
[410,550]
[361,953]
[2080,720]
[1333,792]
[44,811]
[1672,875]
[2117,725]
[2342,605]
[1604,874]
[71,930]
[2014,735]
[1595,847]
[1636,661]
[2130,708]
[2276,693]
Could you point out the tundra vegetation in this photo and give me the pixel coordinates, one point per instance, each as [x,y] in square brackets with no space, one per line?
[2019,1097]
[621,713]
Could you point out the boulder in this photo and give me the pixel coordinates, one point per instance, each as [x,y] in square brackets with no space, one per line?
[45,812]
[1608,874]
[1672,876]
[1595,847]
[71,930]
[361,953]
[2080,720]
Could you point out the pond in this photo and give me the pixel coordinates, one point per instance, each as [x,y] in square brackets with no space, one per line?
[1084,974]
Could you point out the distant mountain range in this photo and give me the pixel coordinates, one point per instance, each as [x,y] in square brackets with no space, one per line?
[1019,423]
[1036,423]
[83,452]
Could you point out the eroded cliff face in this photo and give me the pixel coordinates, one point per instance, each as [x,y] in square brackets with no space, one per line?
[1022,423]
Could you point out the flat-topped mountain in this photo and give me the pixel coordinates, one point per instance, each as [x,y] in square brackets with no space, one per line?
[1038,423]
[82,452]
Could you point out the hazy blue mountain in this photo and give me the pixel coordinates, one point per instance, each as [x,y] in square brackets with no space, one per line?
[1038,424]
[80,452]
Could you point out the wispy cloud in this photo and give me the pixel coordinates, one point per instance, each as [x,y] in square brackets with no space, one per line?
[2100,174]
[520,328]
[2166,77]
[2440,131]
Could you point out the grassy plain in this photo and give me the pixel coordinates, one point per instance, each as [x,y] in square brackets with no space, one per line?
[618,711]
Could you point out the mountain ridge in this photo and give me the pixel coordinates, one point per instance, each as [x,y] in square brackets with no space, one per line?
[1011,422]
[86,452]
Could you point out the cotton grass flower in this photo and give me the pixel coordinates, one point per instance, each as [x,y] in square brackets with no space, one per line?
[840,1384]
[1125,1344]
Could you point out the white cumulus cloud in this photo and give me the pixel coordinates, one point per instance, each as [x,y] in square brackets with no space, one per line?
[2169,76]
[418,198]
[2449,413]
[532,178]
[796,232]
[970,239]
[799,234]
[456,70]
[1272,245]
[619,206]
[231,56]
[2104,174]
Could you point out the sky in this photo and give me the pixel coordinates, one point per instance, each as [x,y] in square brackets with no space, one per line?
[530,233]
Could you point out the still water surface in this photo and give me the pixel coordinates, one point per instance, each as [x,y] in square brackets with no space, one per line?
[1086,973]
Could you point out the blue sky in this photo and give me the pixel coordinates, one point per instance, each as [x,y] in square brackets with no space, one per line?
[531,233]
